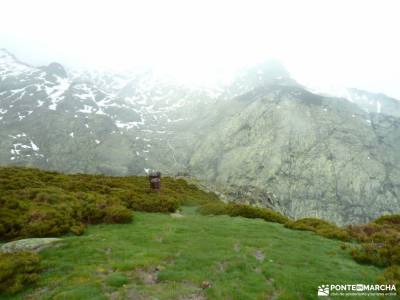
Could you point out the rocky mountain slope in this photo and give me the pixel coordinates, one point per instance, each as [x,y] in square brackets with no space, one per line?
[322,157]
[262,138]
[370,102]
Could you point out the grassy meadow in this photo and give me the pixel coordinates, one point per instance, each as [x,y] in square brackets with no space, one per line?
[159,256]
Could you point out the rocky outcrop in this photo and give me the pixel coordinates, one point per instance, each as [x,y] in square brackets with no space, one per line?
[33,244]
[322,157]
[375,102]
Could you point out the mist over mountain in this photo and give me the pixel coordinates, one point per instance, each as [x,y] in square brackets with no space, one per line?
[262,138]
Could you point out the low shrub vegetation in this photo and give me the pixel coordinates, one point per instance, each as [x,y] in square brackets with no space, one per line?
[379,244]
[36,212]
[320,227]
[38,203]
[18,270]
[242,210]
[215,208]
[391,275]
[391,220]
[379,241]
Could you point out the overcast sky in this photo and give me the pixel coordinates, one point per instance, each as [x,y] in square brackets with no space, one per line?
[351,43]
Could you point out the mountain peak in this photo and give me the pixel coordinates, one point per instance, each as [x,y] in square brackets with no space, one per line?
[56,69]
[274,69]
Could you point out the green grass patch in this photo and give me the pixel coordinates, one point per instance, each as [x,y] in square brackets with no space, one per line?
[159,256]
[117,279]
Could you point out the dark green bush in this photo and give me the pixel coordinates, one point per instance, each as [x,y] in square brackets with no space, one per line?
[38,203]
[334,233]
[155,203]
[363,233]
[53,212]
[368,253]
[117,214]
[45,221]
[18,270]
[388,220]
[379,241]
[78,229]
[380,248]
[310,224]
[243,210]
[248,211]
[320,227]
[217,208]
[391,275]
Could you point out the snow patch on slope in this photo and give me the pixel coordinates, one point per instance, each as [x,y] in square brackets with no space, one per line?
[56,92]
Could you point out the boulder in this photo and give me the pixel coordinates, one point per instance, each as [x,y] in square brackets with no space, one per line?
[33,244]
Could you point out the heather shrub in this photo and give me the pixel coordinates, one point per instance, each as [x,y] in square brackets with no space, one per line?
[25,218]
[45,221]
[363,233]
[320,227]
[248,211]
[393,220]
[368,253]
[78,229]
[53,212]
[18,270]
[217,208]
[310,224]
[382,249]
[391,275]
[379,241]
[334,232]
[152,202]
[243,210]
[117,214]
[92,207]
[155,205]
[39,203]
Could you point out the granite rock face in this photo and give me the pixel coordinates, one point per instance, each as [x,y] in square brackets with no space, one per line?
[320,157]
[261,139]
[33,244]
